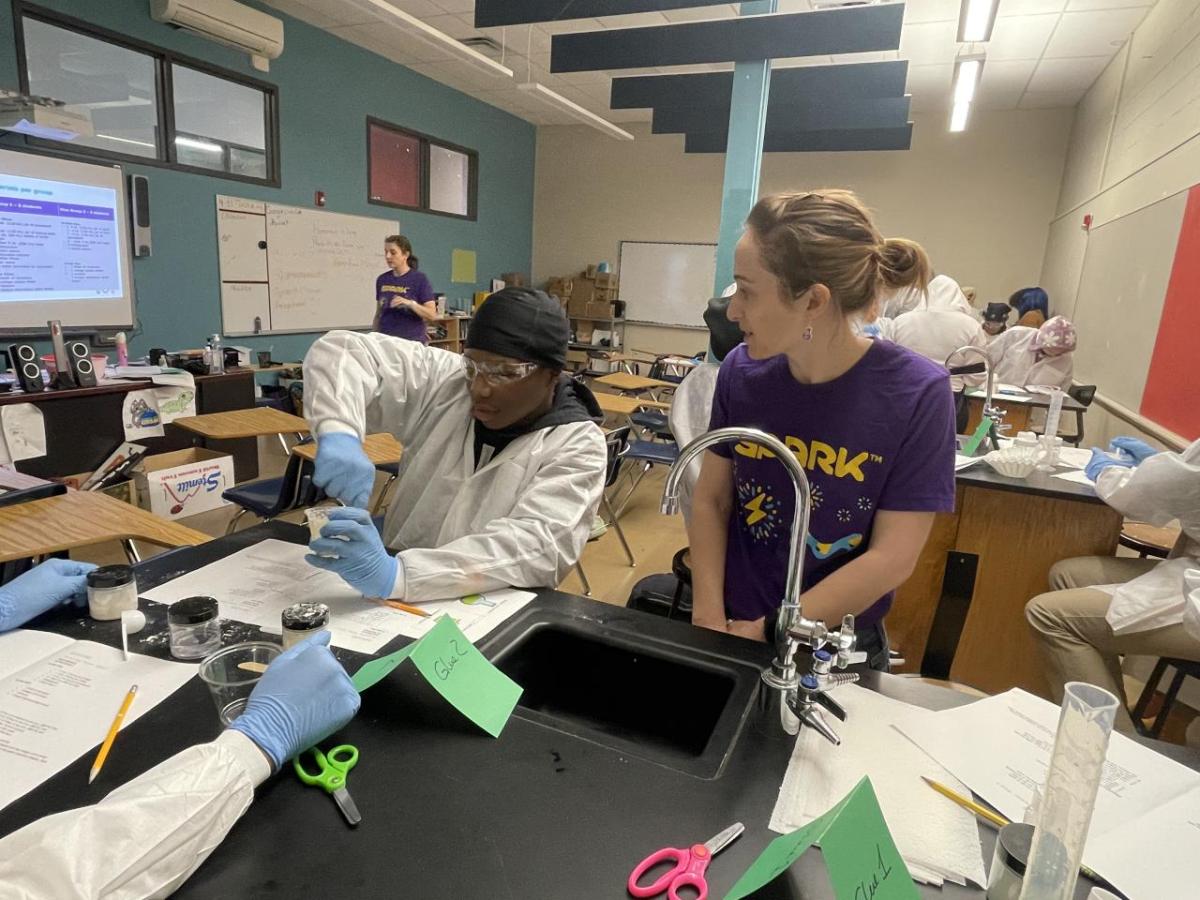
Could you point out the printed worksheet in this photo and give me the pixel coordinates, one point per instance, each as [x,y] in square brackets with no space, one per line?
[256,584]
[58,697]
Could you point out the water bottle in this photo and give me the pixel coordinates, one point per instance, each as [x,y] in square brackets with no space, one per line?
[216,364]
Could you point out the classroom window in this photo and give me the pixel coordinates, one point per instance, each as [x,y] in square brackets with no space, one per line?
[148,104]
[414,171]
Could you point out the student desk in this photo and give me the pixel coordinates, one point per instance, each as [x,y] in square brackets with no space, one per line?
[1018,410]
[83,425]
[962,613]
[479,816]
[633,384]
[381,450]
[255,422]
[80,518]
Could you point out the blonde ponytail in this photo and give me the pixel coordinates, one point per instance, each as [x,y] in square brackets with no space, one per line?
[904,264]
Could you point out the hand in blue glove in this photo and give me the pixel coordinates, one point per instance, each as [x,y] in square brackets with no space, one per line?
[342,469]
[1138,449]
[304,696]
[43,587]
[350,546]
[1101,461]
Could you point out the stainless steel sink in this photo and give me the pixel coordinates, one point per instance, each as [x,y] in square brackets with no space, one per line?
[670,704]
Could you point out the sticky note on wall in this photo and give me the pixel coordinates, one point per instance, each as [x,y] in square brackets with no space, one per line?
[462,266]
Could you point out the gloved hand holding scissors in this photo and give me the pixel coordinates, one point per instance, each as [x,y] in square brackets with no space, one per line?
[43,587]
[304,696]
[343,470]
[350,545]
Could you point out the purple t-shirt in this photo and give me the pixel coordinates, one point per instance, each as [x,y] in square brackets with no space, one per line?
[412,285]
[881,436]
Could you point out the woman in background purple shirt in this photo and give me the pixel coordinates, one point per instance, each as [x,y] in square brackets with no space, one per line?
[403,296]
[871,422]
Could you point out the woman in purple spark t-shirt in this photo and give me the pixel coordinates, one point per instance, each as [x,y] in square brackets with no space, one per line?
[871,423]
[403,295]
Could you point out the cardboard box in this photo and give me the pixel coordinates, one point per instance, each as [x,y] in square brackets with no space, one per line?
[583,331]
[599,309]
[123,491]
[605,280]
[513,279]
[183,483]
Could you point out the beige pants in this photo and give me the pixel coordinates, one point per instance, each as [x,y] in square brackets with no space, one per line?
[1075,641]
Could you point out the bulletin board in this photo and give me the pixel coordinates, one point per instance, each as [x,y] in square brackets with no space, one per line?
[666,284]
[288,269]
[1136,309]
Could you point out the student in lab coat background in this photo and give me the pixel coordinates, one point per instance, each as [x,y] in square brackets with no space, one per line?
[1102,607]
[934,291]
[148,836]
[1032,305]
[1041,356]
[503,465]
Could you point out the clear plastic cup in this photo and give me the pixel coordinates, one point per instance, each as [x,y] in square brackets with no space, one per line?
[232,673]
[316,517]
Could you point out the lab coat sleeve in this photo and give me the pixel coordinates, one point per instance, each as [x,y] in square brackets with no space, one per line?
[535,545]
[1164,487]
[146,837]
[358,383]
[1053,370]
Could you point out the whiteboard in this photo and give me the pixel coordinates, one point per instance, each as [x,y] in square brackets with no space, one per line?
[665,283]
[296,270]
[1120,300]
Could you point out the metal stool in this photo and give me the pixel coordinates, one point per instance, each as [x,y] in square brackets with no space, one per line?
[1183,668]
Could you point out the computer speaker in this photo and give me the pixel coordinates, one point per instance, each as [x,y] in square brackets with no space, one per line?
[27,368]
[79,355]
[139,214]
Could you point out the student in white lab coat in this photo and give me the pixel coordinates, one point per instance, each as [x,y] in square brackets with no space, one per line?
[1102,607]
[936,292]
[503,461]
[147,837]
[935,333]
[1041,356]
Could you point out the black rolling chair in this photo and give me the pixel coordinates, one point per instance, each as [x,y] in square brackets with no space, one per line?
[392,470]
[271,497]
[1184,668]
[616,442]
[1085,394]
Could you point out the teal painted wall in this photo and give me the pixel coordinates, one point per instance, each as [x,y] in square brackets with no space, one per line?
[327,88]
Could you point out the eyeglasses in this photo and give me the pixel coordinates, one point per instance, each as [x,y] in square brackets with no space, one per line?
[497,374]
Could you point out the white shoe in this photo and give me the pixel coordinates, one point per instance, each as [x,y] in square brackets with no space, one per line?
[599,528]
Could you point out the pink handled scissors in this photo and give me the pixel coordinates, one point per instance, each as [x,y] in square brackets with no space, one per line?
[689,866]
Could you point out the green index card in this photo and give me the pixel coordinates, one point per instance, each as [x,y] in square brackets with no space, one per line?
[862,859]
[456,670]
[985,425]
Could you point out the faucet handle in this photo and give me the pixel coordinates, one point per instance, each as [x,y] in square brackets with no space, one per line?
[846,641]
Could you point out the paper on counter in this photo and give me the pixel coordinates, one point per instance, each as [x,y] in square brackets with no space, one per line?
[58,697]
[175,402]
[24,431]
[1000,747]
[256,584]
[1075,477]
[1074,457]
[931,833]
[965,462]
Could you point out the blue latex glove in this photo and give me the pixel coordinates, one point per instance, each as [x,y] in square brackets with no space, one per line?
[870,330]
[1101,461]
[342,469]
[43,587]
[1138,449]
[304,696]
[354,550]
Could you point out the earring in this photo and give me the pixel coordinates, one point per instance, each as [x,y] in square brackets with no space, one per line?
[808,333]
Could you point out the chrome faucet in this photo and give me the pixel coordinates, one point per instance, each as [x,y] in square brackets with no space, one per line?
[990,410]
[799,695]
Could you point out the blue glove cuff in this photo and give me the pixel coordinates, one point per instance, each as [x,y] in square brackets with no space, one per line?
[266,723]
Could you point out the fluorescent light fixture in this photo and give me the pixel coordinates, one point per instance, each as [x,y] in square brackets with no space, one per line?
[966,79]
[976,19]
[959,115]
[586,116]
[442,41]
[194,144]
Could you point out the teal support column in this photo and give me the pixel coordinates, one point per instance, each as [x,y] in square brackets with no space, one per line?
[743,152]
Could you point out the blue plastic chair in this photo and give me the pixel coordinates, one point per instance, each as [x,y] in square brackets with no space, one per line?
[649,454]
[615,441]
[271,497]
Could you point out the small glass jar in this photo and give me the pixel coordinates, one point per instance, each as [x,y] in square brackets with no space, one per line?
[1008,864]
[111,591]
[194,628]
[302,620]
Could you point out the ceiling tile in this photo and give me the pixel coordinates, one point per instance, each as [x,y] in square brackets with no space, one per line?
[931,81]
[1021,37]
[1067,74]
[458,6]
[323,13]
[1094,33]
[1003,83]
[918,11]
[571,25]
[1029,7]
[1051,99]
[1076,5]
[455,26]
[634,20]
[930,43]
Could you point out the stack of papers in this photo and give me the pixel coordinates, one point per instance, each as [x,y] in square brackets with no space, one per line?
[938,839]
[1145,831]
[58,697]
[257,584]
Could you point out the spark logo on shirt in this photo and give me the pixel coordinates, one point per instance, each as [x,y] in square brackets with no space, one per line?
[400,289]
[816,455]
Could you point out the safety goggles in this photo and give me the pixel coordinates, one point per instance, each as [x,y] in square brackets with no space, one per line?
[497,373]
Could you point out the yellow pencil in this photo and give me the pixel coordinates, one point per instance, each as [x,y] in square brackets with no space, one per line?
[112,734]
[405,607]
[987,815]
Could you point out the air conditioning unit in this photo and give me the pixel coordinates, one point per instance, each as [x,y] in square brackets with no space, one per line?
[227,22]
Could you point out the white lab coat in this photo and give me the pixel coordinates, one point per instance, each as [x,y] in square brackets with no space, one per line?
[144,839]
[1016,362]
[935,333]
[942,292]
[521,520]
[1164,487]
[691,410]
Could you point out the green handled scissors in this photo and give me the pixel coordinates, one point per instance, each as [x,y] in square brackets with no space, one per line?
[332,778]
